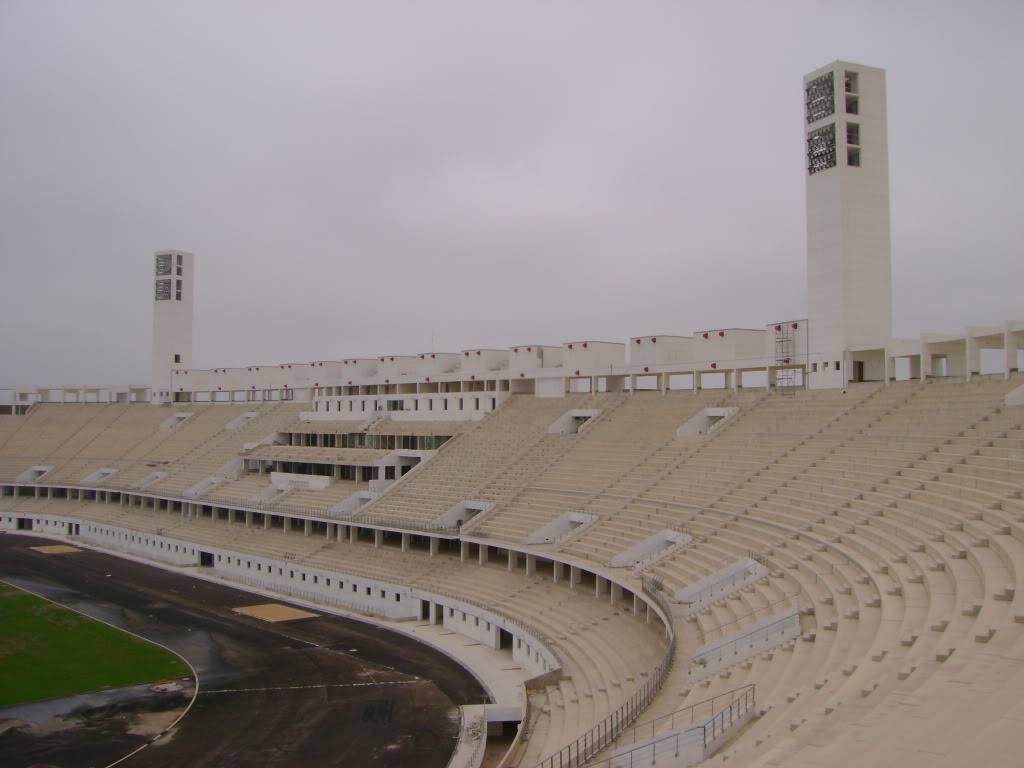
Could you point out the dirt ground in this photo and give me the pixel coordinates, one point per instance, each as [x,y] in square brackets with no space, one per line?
[323,691]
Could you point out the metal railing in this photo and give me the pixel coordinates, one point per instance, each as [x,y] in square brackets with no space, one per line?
[702,736]
[607,730]
[688,715]
[786,628]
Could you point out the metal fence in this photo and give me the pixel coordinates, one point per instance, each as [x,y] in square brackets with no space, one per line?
[605,732]
[699,738]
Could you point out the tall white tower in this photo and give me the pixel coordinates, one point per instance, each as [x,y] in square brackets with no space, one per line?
[849,275]
[172,319]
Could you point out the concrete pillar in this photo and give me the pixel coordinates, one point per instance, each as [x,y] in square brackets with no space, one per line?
[463,551]
[329,532]
[287,524]
[557,570]
[890,368]
[405,542]
[973,352]
[663,383]
[435,545]
[636,604]
[351,534]
[231,515]
[248,518]
[1010,348]
[647,613]
[574,576]
[600,586]
[378,537]
[484,553]
[531,564]
[266,521]
[511,560]
[615,592]
[340,532]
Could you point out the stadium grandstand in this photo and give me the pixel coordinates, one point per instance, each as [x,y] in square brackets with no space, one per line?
[797,545]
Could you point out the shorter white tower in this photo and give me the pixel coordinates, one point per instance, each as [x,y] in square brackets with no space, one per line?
[172,319]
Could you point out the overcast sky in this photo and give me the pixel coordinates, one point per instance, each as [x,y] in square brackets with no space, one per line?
[389,177]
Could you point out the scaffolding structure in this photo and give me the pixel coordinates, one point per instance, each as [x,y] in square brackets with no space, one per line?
[786,380]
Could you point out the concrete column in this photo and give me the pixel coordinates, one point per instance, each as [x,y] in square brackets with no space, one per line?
[647,613]
[266,521]
[435,545]
[231,515]
[378,538]
[511,560]
[1010,348]
[615,593]
[329,532]
[287,524]
[483,553]
[340,532]
[663,383]
[531,564]
[405,542]
[574,576]
[973,367]
[637,602]
[557,570]
[351,534]
[600,586]
[887,361]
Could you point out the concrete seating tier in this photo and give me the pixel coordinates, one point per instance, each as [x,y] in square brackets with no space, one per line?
[479,456]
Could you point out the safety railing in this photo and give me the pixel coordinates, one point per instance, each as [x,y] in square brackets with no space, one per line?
[782,629]
[700,737]
[604,732]
[699,712]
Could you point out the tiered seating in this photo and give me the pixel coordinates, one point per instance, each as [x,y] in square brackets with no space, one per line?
[621,442]
[891,517]
[475,460]
[209,456]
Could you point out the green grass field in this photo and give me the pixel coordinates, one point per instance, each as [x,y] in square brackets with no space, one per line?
[48,652]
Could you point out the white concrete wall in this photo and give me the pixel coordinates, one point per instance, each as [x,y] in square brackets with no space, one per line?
[660,350]
[485,363]
[585,355]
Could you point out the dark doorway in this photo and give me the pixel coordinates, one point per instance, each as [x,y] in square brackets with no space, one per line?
[858,370]
[206,559]
[24,524]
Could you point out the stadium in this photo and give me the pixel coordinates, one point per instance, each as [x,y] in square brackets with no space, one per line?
[796,544]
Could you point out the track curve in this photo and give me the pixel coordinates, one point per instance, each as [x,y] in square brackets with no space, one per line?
[326,691]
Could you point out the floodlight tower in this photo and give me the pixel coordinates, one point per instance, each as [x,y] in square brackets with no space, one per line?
[849,259]
[172,320]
